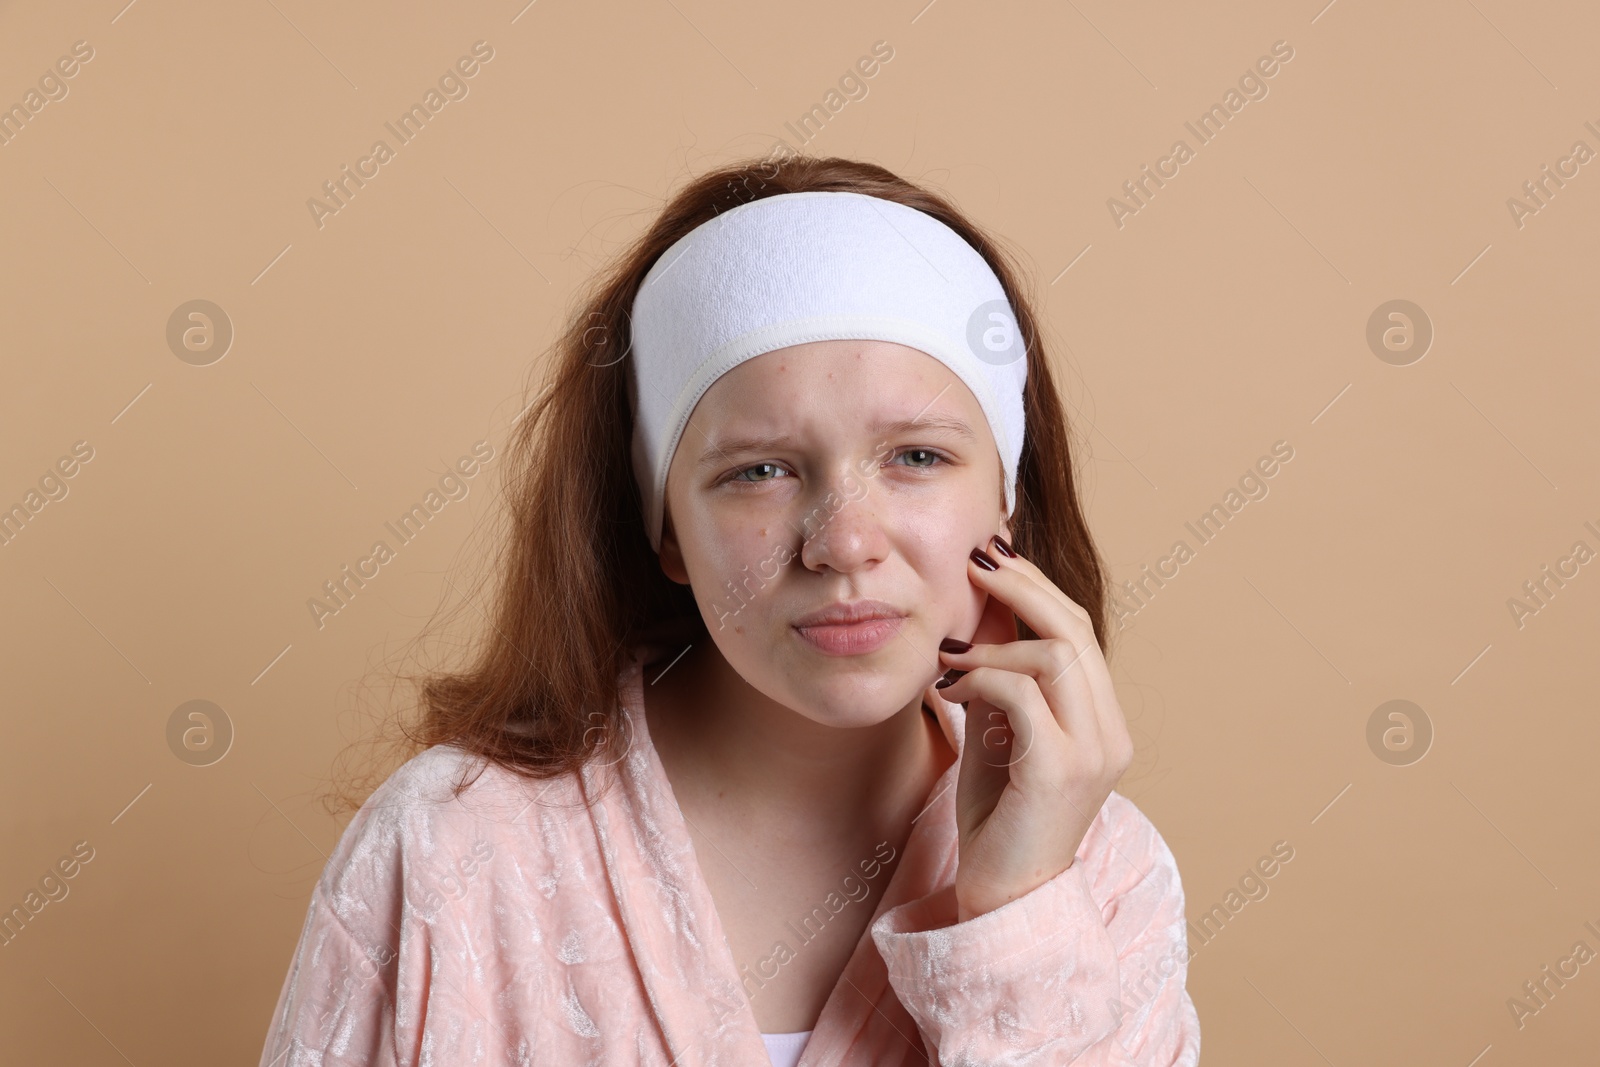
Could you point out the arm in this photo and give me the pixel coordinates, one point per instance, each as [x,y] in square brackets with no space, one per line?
[1054,977]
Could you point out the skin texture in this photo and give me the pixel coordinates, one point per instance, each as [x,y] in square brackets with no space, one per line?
[776,749]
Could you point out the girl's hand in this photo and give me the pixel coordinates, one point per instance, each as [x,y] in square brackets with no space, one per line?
[1046,740]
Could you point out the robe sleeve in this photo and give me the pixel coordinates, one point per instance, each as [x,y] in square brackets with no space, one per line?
[336,1008]
[350,982]
[1088,968]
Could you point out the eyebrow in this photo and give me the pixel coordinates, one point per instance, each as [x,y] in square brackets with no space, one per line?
[952,425]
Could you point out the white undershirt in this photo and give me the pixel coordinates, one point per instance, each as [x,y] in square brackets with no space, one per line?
[785,1049]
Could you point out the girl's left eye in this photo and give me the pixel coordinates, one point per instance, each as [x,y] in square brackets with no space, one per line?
[934,457]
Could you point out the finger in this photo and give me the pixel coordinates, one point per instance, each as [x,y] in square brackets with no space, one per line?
[1047,613]
[1063,671]
[1055,668]
[1075,682]
[995,741]
[1027,714]
[1112,722]
[1026,566]
[1071,621]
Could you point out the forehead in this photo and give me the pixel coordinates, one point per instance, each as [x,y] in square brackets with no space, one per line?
[841,380]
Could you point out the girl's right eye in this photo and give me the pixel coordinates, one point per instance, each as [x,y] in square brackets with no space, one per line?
[738,476]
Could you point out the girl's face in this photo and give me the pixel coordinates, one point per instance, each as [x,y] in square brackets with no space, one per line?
[834,475]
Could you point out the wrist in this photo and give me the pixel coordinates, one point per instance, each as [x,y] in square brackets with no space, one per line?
[971,907]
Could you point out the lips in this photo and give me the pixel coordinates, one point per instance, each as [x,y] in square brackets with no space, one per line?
[847,612]
[852,628]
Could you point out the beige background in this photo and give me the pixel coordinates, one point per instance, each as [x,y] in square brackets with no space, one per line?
[1228,314]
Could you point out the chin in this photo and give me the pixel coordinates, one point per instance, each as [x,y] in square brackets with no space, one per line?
[853,694]
[847,715]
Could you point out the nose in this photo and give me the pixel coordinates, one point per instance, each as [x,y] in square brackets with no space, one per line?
[841,527]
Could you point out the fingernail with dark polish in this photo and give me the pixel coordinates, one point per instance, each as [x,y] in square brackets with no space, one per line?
[1002,546]
[984,560]
[950,678]
[953,644]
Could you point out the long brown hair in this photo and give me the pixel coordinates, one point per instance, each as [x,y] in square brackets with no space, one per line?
[576,579]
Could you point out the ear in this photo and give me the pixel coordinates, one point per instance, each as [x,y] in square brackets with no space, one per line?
[1004,528]
[671,555]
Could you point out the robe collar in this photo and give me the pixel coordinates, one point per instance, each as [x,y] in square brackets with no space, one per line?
[670,919]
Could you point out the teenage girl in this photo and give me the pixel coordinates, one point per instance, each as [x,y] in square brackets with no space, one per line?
[791,733]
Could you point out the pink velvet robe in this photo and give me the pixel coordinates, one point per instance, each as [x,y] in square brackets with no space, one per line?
[514,926]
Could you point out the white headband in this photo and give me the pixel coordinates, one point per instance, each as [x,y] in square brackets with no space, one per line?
[814,266]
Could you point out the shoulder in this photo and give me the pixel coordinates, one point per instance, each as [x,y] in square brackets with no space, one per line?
[418,840]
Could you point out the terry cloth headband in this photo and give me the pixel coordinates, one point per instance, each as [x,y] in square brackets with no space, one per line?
[815,266]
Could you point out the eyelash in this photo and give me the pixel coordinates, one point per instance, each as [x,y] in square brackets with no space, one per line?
[934,452]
